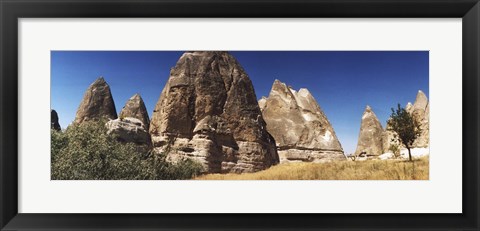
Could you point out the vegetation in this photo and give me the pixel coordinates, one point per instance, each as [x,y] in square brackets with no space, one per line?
[87,152]
[337,170]
[395,149]
[405,126]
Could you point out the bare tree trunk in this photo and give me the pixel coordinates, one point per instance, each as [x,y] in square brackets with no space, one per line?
[409,154]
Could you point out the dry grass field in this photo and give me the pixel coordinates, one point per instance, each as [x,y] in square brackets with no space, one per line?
[338,170]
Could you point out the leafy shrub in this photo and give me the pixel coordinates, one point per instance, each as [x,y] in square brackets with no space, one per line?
[159,168]
[395,148]
[87,152]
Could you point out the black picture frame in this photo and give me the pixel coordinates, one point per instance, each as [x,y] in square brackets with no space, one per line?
[12,10]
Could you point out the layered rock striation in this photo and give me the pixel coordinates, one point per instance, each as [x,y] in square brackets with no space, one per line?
[208,111]
[97,103]
[300,127]
[130,130]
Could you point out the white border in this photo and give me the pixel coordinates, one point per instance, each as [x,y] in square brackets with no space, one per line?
[441,194]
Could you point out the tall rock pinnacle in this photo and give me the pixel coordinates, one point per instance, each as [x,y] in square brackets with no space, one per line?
[421,101]
[421,113]
[370,139]
[299,126]
[208,111]
[135,108]
[97,103]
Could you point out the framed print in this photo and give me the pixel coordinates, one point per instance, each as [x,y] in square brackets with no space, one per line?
[227,115]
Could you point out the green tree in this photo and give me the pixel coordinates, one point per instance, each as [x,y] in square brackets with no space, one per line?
[405,127]
[87,152]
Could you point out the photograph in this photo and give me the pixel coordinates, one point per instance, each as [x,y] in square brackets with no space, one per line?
[239,115]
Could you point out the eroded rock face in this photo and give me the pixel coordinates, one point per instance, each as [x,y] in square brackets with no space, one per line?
[420,110]
[370,139]
[262,102]
[409,107]
[421,113]
[208,111]
[97,103]
[299,126]
[54,121]
[389,140]
[129,129]
[135,108]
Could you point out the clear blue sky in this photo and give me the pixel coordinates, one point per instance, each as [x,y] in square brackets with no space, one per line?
[342,82]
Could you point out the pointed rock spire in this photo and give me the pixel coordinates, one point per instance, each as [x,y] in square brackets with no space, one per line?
[97,103]
[370,139]
[54,120]
[299,126]
[208,111]
[282,91]
[421,101]
[135,108]
[420,112]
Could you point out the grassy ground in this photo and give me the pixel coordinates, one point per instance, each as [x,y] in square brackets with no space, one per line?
[338,170]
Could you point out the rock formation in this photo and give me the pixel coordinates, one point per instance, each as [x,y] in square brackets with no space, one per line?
[420,110]
[409,107]
[132,124]
[208,111]
[262,102]
[129,129]
[370,139]
[389,140]
[135,108]
[299,126]
[421,113]
[54,120]
[97,103]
